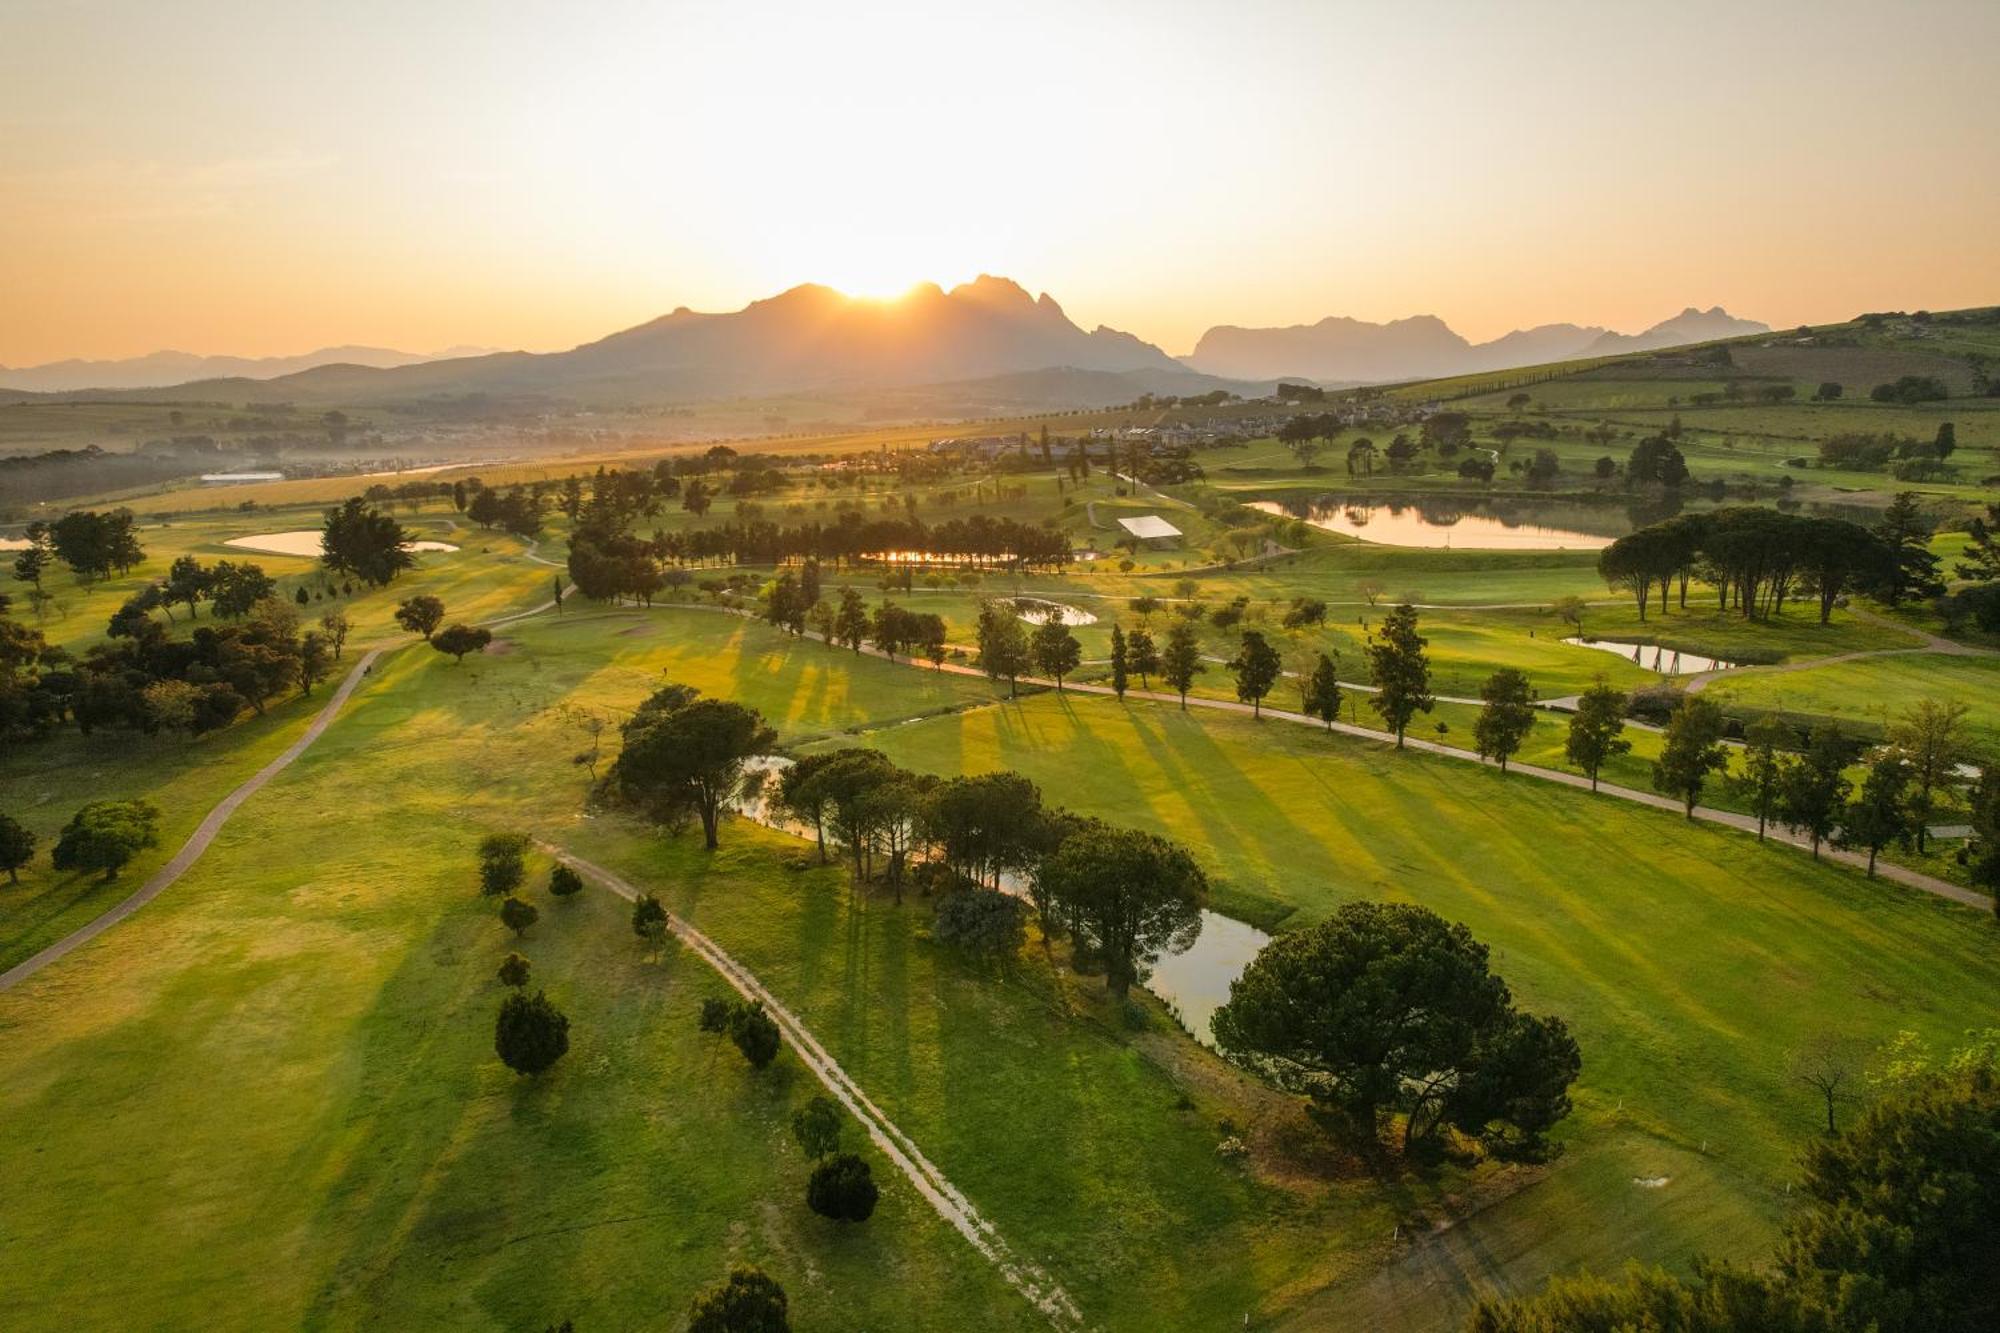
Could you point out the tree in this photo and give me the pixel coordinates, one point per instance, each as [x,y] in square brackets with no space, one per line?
[1140,654]
[564,881]
[682,753]
[421,614]
[1399,670]
[1128,896]
[1119,666]
[234,590]
[1983,855]
[358,539]
[980,921]
[1181,663]
[518,915]
[816,1127]
[1003,644]
[1880,814]
[314,660]
[1057,652]
[1764,767]
[1322,692]
[755,1034]
[187,582]
[850,622]
[1892,1235]
[1830,1066]
[1257,667]
[1914,568]
[1931,736]
[531,1034]
[649,922]
[514,969]
[1596,730]
[1506,718]
[459,640]
[105,835]
[1692,751]
[1388,1007]
[333,625]
[1812,790]
[501,863]
[748,1302]
[17,847]
[843,1189]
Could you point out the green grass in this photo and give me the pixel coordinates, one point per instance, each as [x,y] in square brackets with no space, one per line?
[1876,690]
[1688,959]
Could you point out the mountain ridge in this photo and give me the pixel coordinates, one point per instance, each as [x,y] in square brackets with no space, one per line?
[169,367]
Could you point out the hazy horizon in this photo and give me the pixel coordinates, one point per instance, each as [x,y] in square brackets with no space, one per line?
[182,179]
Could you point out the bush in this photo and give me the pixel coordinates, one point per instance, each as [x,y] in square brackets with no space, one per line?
[514,971]
[842,1188]
[1910,389]
[501,863]
[518,915]
[816,1126]
[530,1034]
[755,1034]
[981,921]
[715,1015]
[564,881]
[749,1302]
[649,920]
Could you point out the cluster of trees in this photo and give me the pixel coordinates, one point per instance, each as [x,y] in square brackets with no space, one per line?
[102,836]
[92,544]
[1860,451]
[361,541]
[530,1034]
[792,602]
[1386,1008]
[1757,558]
[1909,389]
[1892,1232]
[143,678]
[607,562]
[1122,897]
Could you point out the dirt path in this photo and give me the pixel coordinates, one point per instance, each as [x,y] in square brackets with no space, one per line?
[1706,814]
[204,834]
[1041,1289]
[198,841]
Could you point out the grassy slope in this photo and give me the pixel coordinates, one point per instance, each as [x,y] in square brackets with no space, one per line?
[1875,689]
[1689,960]
[302,1026]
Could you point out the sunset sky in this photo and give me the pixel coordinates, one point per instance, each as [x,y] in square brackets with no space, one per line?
[263,178]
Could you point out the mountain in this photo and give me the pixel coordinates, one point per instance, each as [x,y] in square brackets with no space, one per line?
[1338,350]
[809,339]
[1690,326]
[160,369]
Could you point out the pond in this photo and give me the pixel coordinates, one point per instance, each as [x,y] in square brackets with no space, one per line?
[1041,611]
[1666,661]
[306,542]
[1434,526]
[1194,984]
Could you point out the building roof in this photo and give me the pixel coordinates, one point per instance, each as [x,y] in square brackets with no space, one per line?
[1147,527]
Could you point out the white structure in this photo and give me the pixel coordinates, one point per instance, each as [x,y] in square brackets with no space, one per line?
[1151,528]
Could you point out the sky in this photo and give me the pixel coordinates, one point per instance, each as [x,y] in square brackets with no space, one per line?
[259,179]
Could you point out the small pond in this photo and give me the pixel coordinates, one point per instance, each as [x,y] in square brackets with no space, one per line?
[306,542]
[1666,661]
[1194,984]
[1393,524]
[1041,611]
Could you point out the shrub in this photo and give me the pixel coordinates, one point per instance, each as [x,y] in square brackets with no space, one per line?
[715,1015]
[755,1034]
[981,921]
[842,1188]
[749,1302]
[531,1034]
[564,881]
[514,971]
[816,1126]
[518,915]
[501,863]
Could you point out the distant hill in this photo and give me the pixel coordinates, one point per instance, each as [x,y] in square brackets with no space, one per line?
[1339,350]
[809,339]
[160,369]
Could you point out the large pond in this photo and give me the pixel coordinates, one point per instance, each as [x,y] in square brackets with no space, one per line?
[1402,524]
[1666,661]
[306,542]
[1194,983]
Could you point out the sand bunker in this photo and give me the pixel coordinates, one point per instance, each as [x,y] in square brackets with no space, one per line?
[306,543]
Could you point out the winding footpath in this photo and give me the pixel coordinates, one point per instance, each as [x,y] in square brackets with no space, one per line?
[1705,814]
[1037,1286]
[198,841]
